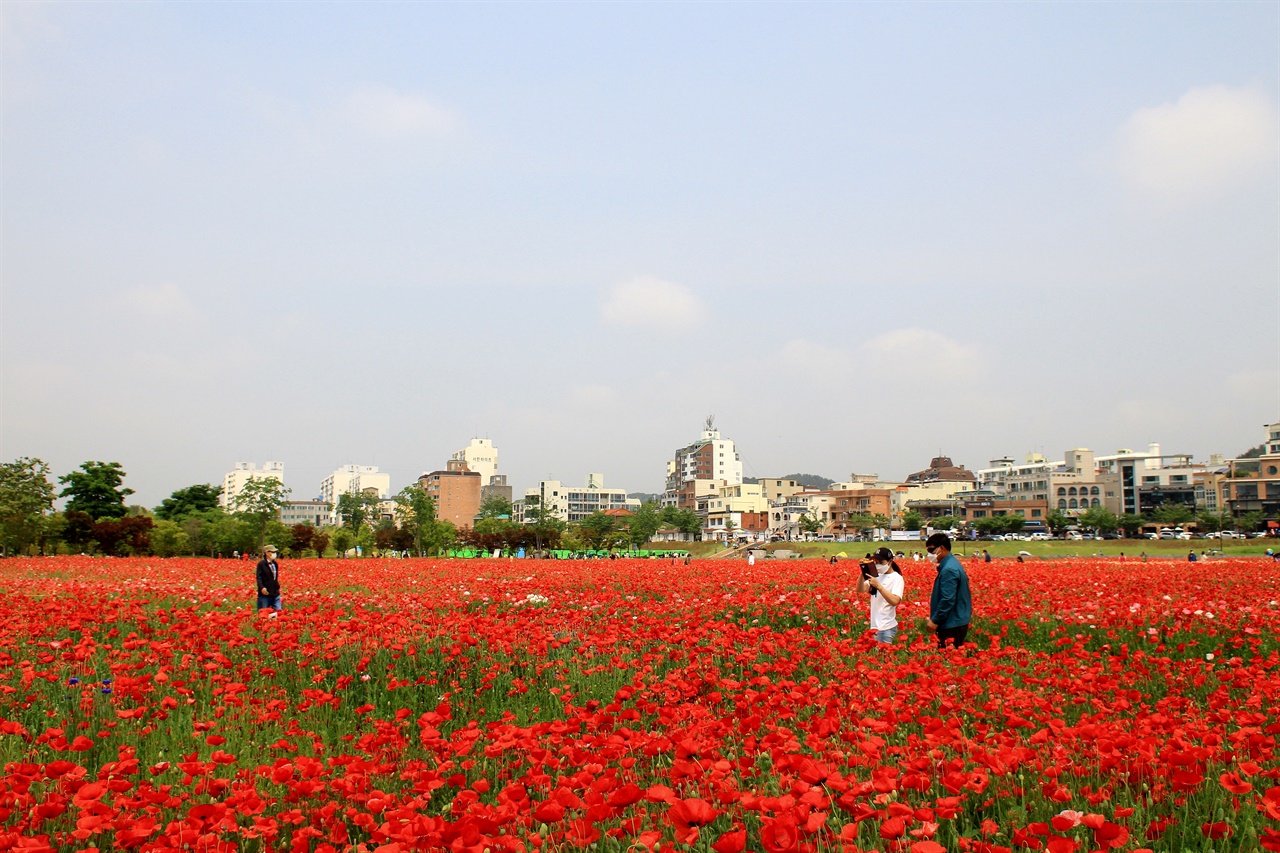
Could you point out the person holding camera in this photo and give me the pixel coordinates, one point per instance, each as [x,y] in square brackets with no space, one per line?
[882,580]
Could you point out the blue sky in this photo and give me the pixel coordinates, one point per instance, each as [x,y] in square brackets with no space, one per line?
[859,234]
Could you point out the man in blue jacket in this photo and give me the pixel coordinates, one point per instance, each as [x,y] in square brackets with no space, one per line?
[950,605]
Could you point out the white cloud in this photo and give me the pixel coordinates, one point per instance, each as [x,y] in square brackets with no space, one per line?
[649,302]
[1213,138]
[165,300]
[397,115]
[919,354]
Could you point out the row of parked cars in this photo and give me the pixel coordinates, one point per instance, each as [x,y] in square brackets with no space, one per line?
[1179,533]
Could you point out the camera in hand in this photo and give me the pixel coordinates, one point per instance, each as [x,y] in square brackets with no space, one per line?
[868,570]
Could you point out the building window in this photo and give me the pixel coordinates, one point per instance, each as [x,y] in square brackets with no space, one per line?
[1061,491]
[1071,504]
[1062,503]
[1097,502]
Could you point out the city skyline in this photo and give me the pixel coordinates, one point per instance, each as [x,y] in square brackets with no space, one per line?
[299,491]
[862,234]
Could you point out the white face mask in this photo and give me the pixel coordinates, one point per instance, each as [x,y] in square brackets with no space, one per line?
[933,558]
[882,567]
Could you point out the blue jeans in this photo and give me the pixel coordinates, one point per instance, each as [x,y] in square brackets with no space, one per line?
[269,602]
[886,636]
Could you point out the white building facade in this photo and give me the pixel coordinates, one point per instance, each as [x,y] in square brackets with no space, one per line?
[481,456]
[353,479]
[239,477]
[711,457]
[574,503]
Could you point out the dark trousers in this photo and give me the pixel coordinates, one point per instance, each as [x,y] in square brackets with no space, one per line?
[955,635]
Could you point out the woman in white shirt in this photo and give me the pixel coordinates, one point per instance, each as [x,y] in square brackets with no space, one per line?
[885,589]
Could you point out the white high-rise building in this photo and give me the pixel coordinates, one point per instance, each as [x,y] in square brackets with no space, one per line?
[352,479]
[711,457]
[481,456]
[236,479]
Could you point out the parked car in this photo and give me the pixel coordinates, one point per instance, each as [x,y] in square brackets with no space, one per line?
[1040,537]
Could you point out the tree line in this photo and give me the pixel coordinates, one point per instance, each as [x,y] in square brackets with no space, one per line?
[97,519]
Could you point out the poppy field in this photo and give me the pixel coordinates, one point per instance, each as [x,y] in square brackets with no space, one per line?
[520,705]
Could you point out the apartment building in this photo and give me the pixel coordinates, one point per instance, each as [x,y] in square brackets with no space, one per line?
[1253,485]
[574,503]
[711,457]
[456,492]
[353,479]
[480,457]
[315,513]
[238,477]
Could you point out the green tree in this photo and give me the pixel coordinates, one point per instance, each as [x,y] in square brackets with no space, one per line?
[198,498]
[26,499]
[356,509]
[645,523]
[1250,521]
[945,522]
[683,519]
[1057,521]
[232,533]
[912,520]
[1012,522]
[168,539]
[543,520]
[1212,522]
[258,502]
[1099,519]
[343,540]
[596,529]
[1131,523]
[989,525]
[96,489]
[366,538]
[809,523]
[496,506]
[1172,513]
[51,532]
[880,521]
[861,522]
[416,511]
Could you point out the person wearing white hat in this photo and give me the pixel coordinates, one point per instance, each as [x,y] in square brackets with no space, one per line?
[269,581]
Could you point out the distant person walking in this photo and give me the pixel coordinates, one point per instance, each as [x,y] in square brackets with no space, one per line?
[950,603]
[269,581]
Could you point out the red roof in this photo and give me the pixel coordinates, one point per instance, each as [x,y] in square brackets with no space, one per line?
[618,512]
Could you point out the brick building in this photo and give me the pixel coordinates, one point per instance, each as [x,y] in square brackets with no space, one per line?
[456,491]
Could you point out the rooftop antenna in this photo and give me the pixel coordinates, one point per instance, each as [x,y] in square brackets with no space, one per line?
[711,422]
